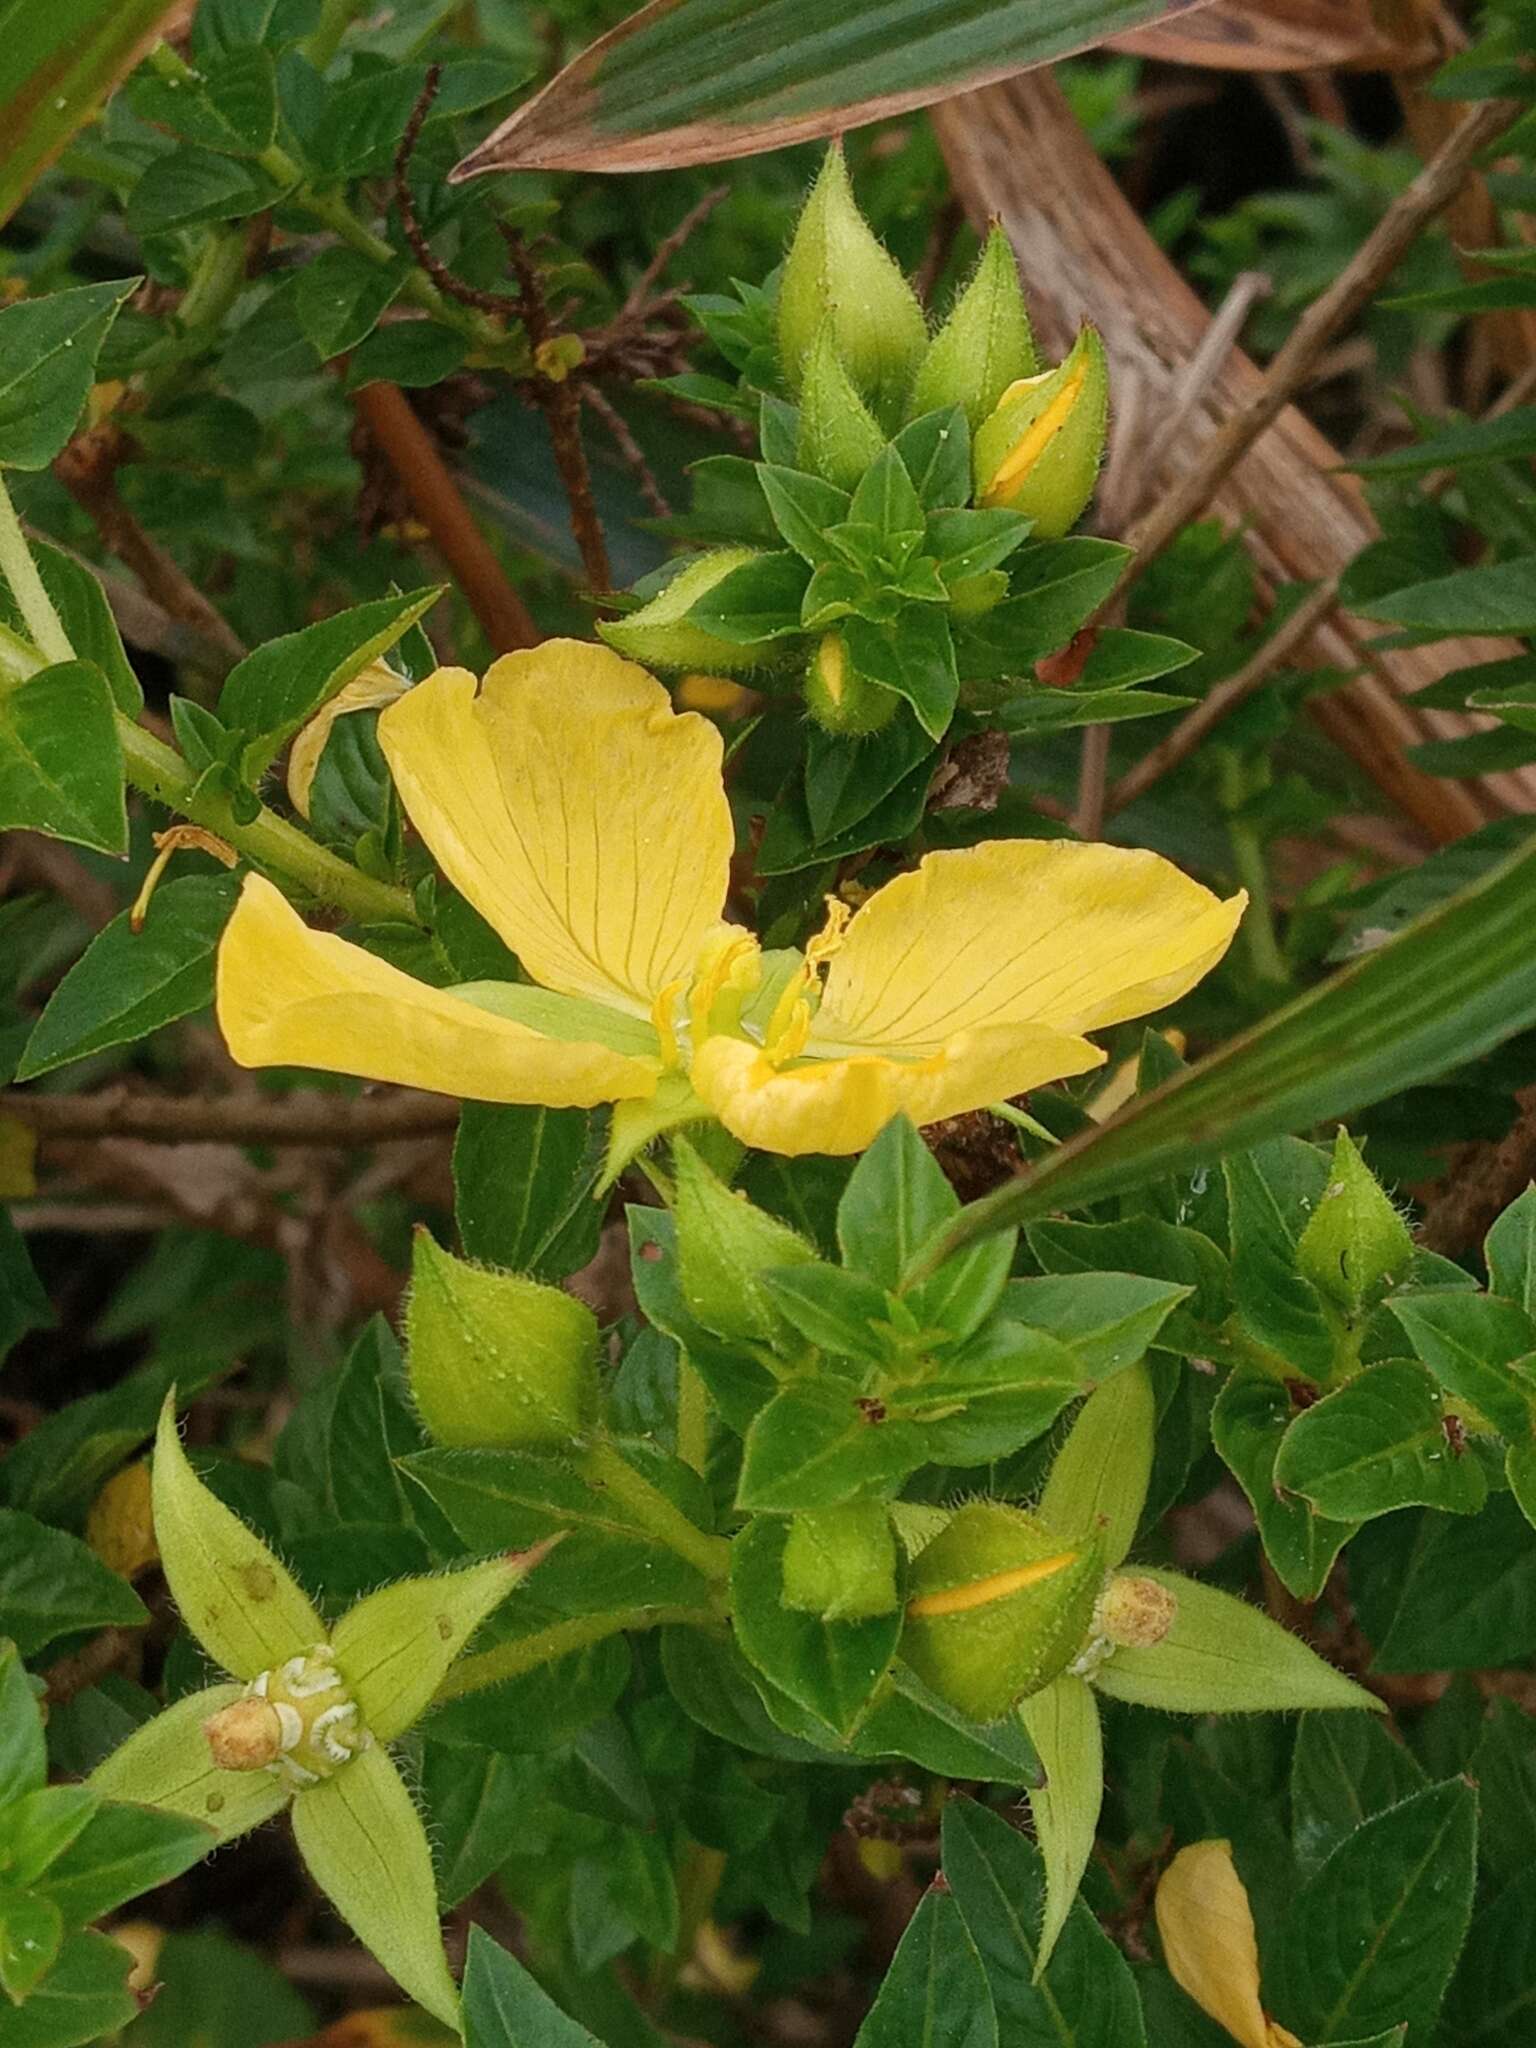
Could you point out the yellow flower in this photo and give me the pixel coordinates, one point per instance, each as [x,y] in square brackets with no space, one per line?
[1206,1927]
[585,820]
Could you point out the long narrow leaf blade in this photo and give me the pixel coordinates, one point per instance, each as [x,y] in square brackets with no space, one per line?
[693,81]
[1457,982]
[57,64]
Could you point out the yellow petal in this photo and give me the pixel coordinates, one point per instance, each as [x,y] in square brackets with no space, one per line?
[376,686]
[291,997]
[1020,931]
[838,1105]
[1206,1926]
[581,815]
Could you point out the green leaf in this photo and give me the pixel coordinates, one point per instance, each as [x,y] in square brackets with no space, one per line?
[1374,1934]
[1063,1723]
[23,1755]
[127,984]
[915,657]
[818,1443]
[23,1304]
[283,684]
[1500,598]
[51,1585]
[804,508]
[909,1720]
[61,768]
[1344,1769]
[1107,1320]
[840,1312]
[758,602]
[779,71]
[1087,1996]
[1503,1768]
[1056,585]
[1510,437]
[193,185]
[86,616]
[1270,1193]
[935,451]
[1493,2000]
[396,1644]
[1378,1443]
[935,1993]
[1510,1249]
[831,1668]
[408,352]
[341,296]
[362,1838]
[896,1197]
[31,1933]
[48,351]
[524,1181]
[213,1993]
[365,118]
[1222,1656]
[230,105]
[1037,712]
[36,1829]
[1479,1348]
[505,2008]
[1456,983]
[57,64]
[122,1851]
[84,1997]
[1248,1424]
[1467,1596]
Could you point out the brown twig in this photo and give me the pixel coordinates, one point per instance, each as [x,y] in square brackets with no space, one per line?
[309,1119]
[1482,1182]
[639,301]
[1351,291]
[629,448]
[1224,698]
[429,483]
[87,468]
[503,304]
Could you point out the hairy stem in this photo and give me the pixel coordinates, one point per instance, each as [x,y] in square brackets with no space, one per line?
[32,600]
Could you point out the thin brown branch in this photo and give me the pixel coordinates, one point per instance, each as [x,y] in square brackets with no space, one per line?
[639,298]
[1351,291]
[503,304]
[429,483]
[308,1119]
[1482,1182]
[629,448]
[87,468]
[1224,698]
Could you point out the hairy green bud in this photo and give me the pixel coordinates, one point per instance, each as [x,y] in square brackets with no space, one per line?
[840,1562]
[1038,451]
[723,1243]
[984,346]
[838,435]
[997,1606]
[497,1360]
[661,635]
[1355,1243]
[839,698]
[836,271]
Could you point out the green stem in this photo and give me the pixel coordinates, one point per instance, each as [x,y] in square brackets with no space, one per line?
[160,772]
[511,1660]
[325,39]
[609,1469]
[1259,925]
[32,600]
[692,1415]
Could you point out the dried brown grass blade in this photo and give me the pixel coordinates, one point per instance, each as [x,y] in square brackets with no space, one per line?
[1277,35]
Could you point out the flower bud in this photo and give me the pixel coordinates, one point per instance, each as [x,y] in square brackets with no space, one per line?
[723,1243]
[245,1736]
[837,271]
[1355,1243]
[120,1527]
[839,698]
[497,1360]
[997,1608]
[660,633]
[1135,1612]
[984,346]
[838,435]
[840,1562]
[1038,451]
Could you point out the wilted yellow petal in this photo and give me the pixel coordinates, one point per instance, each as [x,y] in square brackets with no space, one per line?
[581,815]
[1206,1927]
[376,686]
[289,996]
[838,1105]
[1019,931]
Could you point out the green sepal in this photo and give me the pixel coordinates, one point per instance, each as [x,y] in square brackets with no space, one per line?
[166,1763]
[661,635]
[986,343]
[839,437]
[1062,1721]
[1098,1484]
[724,1243]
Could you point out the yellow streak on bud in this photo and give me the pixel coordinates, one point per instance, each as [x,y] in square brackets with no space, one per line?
[245,1736]
[996,1586]
[1032,443]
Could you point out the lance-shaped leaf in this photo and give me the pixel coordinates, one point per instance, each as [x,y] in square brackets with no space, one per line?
[1098,1484]
[395,1646]
[23,1753]
[240,1603]
[166,1763]
[1063,1724]
[692,81]
[1222,1656]
[362,1838]
[48,350]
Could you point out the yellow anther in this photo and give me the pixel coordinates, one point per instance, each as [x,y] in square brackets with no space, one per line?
[829,940]
[663,1022]
[729,968]
[995,1586]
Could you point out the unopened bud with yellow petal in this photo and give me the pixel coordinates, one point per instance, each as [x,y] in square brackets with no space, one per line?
[839,437]
[839,698]
[836,271]
[840,1562]
[120,1526]
[723,1243]
[1038,452]
[661,635]
[1355,1243]
[1206,1927]
[984,346]
[997,1607]
[497,1360]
